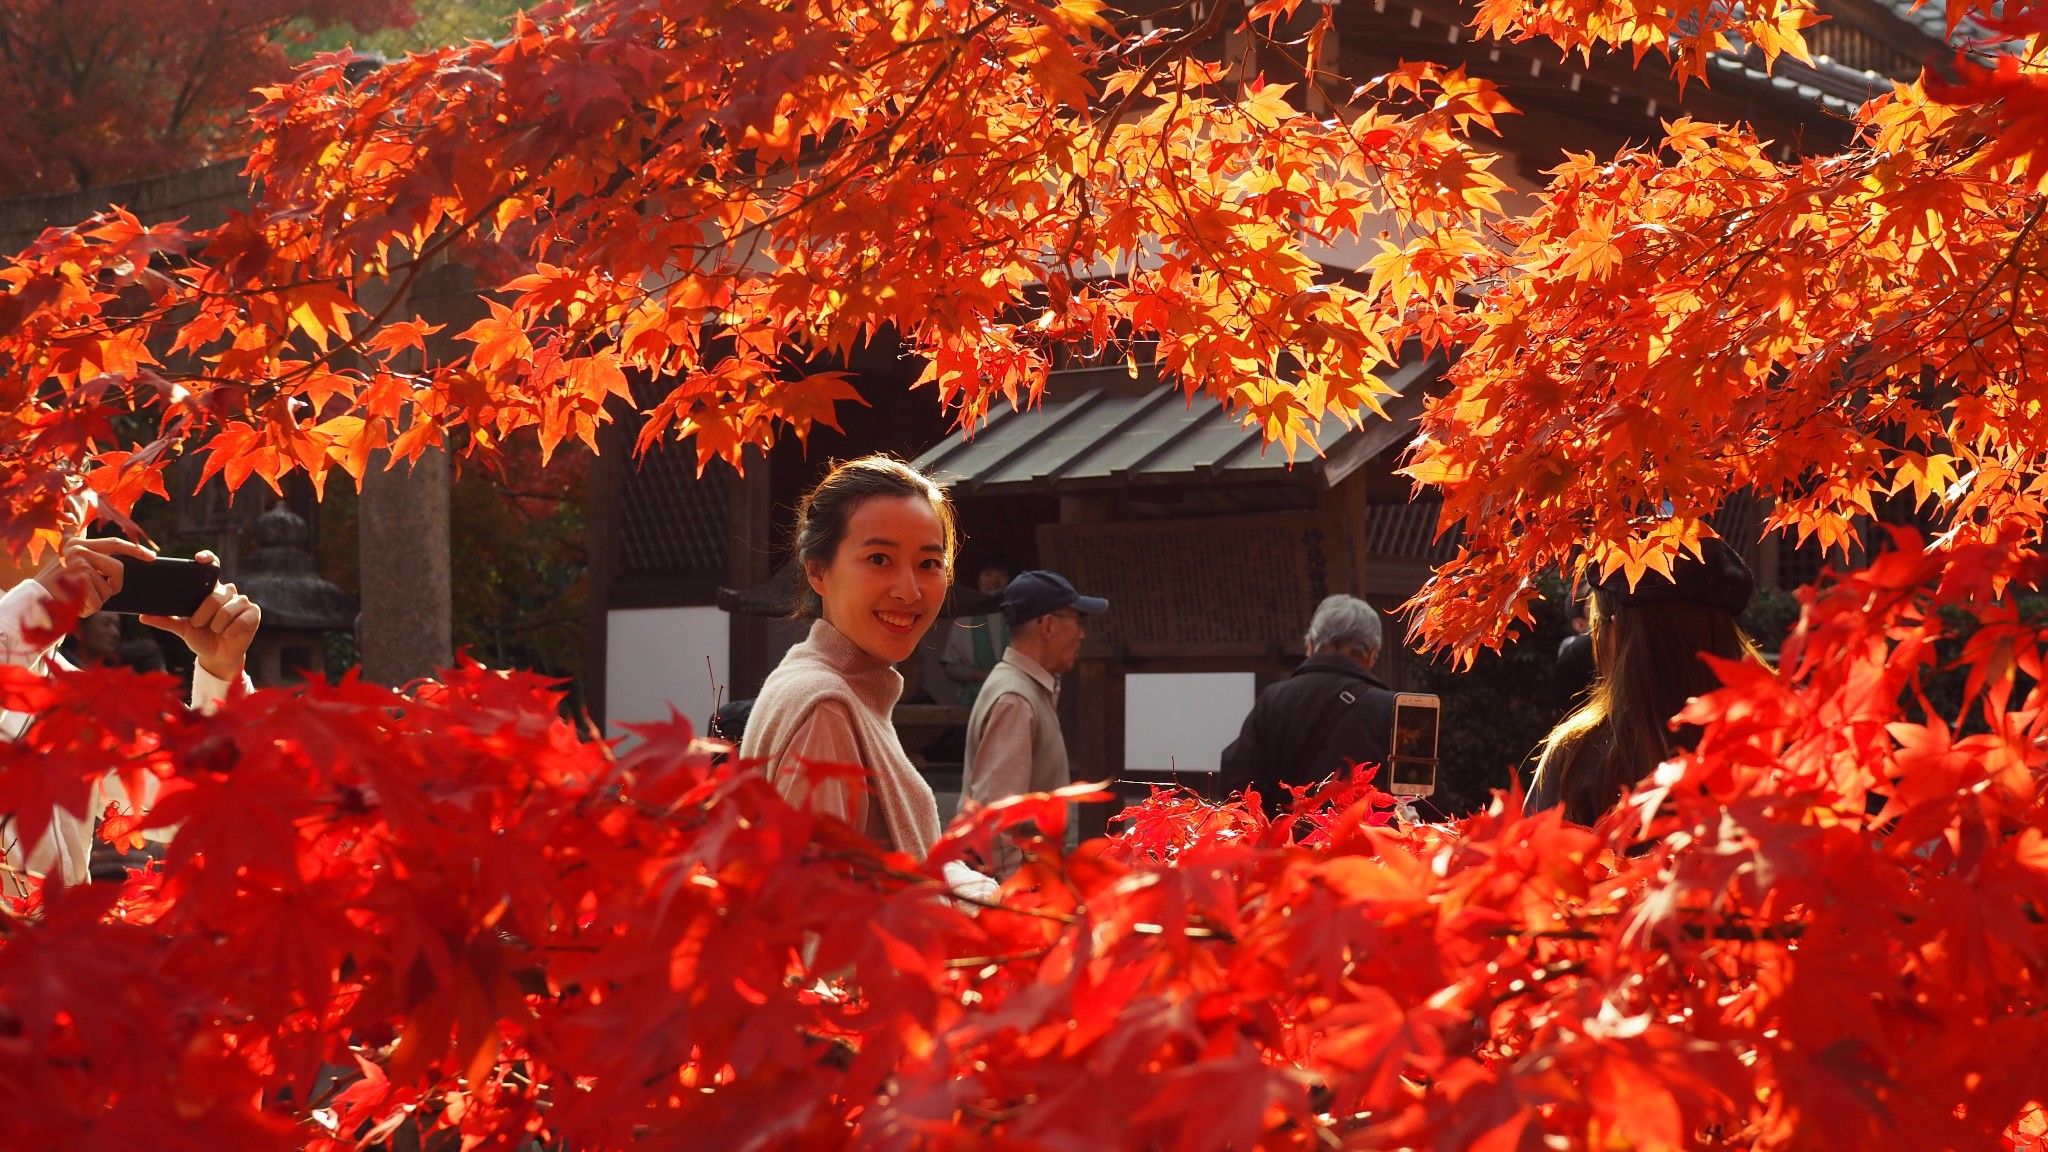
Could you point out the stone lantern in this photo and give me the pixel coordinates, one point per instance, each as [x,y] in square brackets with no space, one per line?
[299,608]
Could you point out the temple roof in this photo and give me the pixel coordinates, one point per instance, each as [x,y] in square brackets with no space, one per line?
[1104,434]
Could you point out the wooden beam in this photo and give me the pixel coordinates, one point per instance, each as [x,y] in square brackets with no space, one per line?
[750,558]
[1344,506]
[1099,739]
[601,520]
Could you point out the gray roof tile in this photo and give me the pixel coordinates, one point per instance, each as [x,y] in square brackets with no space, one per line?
[1093,438]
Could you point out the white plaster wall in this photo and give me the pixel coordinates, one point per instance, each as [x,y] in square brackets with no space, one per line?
[1183,720]
[656,658]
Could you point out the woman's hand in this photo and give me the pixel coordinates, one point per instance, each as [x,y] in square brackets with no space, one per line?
[967,884]
[87,572]
[219,631]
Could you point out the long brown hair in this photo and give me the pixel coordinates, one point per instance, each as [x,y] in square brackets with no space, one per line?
[1647,660]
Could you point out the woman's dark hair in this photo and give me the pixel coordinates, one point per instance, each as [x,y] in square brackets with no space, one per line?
[1648,662]
[822,515]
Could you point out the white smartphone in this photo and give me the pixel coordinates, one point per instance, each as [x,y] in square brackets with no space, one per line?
[1413,763]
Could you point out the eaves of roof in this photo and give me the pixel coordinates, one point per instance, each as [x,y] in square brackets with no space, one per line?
[1099,437]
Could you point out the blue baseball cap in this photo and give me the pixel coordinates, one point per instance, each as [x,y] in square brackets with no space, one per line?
[1039,593]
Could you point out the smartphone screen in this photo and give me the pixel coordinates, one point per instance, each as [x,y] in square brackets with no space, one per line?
[1415,773]
[1415,732]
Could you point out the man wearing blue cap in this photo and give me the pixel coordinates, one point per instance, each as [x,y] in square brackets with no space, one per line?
[1014,745]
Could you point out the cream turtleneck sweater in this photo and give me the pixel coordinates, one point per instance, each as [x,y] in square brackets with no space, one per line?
[829,702]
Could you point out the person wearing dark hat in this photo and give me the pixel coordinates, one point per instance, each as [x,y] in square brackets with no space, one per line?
[1647,644]
[1014,745]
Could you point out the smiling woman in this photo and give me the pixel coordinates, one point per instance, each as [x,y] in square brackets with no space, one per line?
[876,540]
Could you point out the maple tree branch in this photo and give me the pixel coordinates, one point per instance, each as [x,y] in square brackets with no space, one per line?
[879,146]
[414,267]
[1000,958]
[1868,370]
[1543,975]
[1217,264]
[2005,263]
[876,868]
[1178,48]
[846,171]
[1755,934]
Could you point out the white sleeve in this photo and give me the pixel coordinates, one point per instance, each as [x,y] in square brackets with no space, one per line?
[24,609]
[826,736]
[66,848]
[209,690]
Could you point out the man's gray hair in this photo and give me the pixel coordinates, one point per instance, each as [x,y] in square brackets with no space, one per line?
[1345,622]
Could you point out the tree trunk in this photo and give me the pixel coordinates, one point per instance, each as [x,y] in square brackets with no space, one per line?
[402,527]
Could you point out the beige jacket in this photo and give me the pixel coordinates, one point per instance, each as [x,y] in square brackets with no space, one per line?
[1014,743]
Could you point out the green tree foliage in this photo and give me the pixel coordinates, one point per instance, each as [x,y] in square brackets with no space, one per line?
[519,559]
[435,24]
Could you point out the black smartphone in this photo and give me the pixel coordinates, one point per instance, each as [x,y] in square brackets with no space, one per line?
[162,587]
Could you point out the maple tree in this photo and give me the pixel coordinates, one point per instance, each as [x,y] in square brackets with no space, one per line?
[103,91]
[1821,927]
[434,23]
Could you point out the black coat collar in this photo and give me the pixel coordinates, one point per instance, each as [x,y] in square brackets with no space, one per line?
[1334,664]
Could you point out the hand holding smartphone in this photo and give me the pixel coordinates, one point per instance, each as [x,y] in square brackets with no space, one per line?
[1413,762]
[162,587]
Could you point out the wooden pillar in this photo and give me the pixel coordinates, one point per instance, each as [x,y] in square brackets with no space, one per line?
[750,560]
[1097,685]
[1764,550]
[1099,721]
[601,520]
[1344,507]
[1086,510]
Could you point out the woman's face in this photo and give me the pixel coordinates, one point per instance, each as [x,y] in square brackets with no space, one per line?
[884,587]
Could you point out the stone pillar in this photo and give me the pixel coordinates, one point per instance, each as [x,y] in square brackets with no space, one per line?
[402,526]
[402,518]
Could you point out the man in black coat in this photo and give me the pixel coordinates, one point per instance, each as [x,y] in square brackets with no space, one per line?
[1571,677]
[1330,714]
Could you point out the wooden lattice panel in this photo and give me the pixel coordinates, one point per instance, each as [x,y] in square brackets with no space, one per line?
[1226,585]
[672,522]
